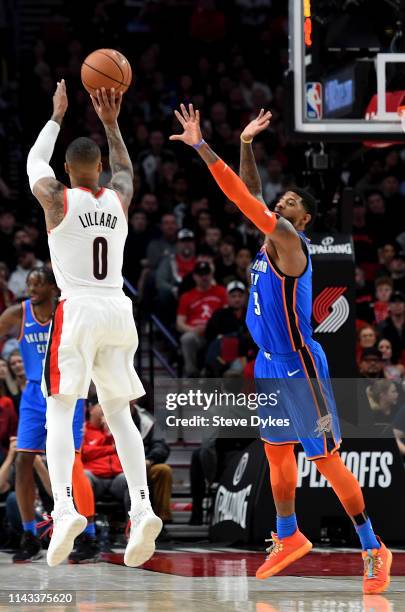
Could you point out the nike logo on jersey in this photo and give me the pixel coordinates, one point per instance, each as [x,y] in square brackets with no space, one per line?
[292,373]
[29,324]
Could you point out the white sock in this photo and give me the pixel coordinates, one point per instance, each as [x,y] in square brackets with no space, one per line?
[60,450]
[130,449]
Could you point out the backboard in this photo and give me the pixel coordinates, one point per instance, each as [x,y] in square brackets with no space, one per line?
[346,77]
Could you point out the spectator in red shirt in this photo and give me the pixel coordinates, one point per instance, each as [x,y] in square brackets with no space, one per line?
[195,309]
[383,291]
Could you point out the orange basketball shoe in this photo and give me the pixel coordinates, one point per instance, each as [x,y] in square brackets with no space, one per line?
[283,552]
[377,565]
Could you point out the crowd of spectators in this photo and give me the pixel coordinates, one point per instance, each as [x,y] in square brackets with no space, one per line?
[189,249]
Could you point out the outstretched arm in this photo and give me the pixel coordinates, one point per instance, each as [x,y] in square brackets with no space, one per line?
[107,107]
[44,186]
[247,169]
[282,232]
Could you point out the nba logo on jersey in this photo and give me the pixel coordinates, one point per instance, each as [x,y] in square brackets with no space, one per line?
[314,100]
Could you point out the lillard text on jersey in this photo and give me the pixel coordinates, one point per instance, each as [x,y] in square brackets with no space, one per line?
[92,218]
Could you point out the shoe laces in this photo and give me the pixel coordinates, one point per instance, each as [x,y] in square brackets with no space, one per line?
[276,546]
[136,516]
[372,564]
[48,524]
[62,511]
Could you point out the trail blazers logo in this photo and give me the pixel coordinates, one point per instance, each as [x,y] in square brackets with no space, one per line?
[331,310]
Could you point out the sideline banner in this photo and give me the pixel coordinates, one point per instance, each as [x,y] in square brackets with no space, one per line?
[238,497]
[333,301]
[244,509]
[379,468]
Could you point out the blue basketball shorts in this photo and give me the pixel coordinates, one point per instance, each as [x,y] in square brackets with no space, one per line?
[31,434]
[302,406]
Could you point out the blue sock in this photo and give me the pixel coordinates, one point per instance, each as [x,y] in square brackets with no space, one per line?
[90,530]
[30,526]
[367,535]
[286,525]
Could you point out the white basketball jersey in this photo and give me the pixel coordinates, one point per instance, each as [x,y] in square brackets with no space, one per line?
[87,247]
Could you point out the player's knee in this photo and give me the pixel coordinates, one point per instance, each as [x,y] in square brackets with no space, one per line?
[325,464]
[24,462]
[57,403]
[114,407]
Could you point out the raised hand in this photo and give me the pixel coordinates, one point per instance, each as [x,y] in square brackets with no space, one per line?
[256,126]
[107,105]
[190,121]
[60,102]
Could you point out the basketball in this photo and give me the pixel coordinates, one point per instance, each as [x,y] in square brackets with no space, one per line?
[106,68]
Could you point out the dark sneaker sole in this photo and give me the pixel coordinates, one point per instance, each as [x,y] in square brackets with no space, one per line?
[32,559]
[84,561]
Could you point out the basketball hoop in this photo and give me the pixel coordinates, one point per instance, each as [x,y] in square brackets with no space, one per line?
[401,114]
[394,113]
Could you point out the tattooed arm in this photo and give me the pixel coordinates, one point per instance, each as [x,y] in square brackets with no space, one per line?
[107,108]
[247,169]
[120,164]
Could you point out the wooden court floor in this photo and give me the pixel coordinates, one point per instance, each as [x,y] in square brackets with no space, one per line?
[192,579]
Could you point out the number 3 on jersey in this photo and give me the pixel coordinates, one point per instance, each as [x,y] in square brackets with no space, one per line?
[254,278]
[100,253]
[256,302]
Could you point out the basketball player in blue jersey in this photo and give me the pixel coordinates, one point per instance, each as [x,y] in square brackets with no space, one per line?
[279,320]
[32,318]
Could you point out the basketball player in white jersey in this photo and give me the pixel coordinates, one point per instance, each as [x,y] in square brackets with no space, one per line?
[93,335]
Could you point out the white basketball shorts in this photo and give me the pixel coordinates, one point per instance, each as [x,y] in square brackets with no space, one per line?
[92,337]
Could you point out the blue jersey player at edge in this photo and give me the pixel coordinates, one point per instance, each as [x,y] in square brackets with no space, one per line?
[32,318]
[279,319]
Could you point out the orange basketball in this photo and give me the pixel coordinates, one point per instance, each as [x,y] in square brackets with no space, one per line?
[106,68]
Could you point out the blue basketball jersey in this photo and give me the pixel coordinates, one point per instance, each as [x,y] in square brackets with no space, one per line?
[33,340]
[280,306]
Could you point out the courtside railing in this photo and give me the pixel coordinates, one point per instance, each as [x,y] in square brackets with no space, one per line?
[149,326]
